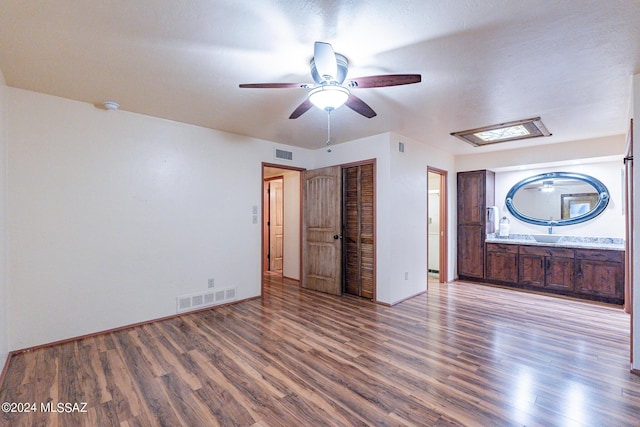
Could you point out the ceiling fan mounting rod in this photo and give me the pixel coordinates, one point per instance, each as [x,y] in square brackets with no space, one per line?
[328,130]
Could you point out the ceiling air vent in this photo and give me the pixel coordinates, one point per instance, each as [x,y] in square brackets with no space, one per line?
[283,154]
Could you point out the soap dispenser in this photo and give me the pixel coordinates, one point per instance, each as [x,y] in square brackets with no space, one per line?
[503,231]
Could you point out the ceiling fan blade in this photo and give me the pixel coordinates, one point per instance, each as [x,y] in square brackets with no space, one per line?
[275,85]
[385,80]
[302,108]
[360,107]
[325,60]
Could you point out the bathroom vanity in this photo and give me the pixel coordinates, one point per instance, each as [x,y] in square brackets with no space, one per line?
[577,267]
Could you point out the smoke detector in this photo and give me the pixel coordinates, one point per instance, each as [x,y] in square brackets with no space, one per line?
[111,105]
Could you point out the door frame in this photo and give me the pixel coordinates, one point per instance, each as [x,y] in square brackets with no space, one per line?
[263,230]
[444,235]
[265,203]
[629,233]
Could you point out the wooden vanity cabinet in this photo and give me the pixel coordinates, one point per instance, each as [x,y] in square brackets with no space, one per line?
[475,192]
[502,263]
[600,274]
[471,251]
[559,273]
[595,274]
[546,267]
[531,269]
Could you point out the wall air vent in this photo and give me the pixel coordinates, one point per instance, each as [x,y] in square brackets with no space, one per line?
[184,303]
[204,299]
[209,298]
[283,154]
[219,296]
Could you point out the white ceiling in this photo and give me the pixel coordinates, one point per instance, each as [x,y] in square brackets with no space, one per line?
[482,62]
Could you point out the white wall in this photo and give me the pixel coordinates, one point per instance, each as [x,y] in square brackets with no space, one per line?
[407,210]
[608,224]
[565,152]
[409,215]
[4,340]
[111,215]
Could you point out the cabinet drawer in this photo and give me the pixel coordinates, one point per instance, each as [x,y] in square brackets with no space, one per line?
[502,247]
[547,251]
[600,255]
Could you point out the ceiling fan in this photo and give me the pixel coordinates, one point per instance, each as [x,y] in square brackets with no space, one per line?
[331,89]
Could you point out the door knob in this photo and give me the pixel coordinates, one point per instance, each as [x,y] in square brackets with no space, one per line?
[336,237]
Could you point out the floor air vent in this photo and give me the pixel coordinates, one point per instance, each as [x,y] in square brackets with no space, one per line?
[204,299]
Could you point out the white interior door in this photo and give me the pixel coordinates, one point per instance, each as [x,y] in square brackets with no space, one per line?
[276,224]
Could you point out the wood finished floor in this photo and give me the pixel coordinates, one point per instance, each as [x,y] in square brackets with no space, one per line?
[462,354]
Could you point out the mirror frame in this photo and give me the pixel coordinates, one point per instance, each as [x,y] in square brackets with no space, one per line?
[601,205]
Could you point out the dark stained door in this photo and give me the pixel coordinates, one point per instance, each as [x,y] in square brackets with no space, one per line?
[358,230]
[321,230]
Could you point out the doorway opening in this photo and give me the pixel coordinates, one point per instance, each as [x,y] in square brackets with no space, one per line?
[274,211]
[437,255]
[281,223]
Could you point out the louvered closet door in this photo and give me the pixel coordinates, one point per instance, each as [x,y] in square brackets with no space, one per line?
[358,229]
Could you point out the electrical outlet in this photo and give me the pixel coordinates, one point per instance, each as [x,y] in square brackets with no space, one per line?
[406,275]
[211,282]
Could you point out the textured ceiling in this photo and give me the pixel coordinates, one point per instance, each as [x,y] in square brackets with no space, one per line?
[482,62]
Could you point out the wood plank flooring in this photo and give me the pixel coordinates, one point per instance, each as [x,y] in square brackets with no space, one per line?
[461,354]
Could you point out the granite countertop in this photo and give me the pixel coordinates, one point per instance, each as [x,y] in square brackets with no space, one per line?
[564,242]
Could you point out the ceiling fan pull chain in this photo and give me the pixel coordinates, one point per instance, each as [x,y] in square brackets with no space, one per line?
[328,131]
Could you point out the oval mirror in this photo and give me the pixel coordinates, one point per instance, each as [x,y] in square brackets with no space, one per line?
[557,198]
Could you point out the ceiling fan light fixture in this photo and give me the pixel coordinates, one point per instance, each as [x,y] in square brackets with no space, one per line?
[329,97]
[547,187]
[330,90]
